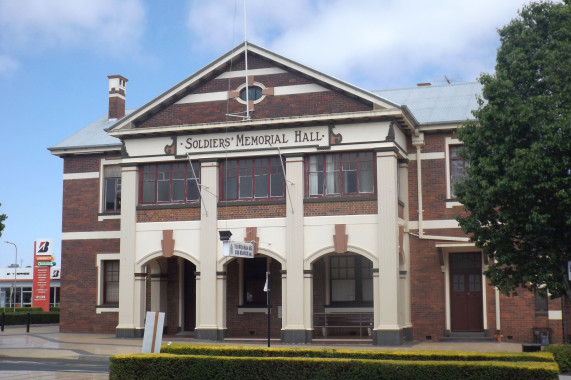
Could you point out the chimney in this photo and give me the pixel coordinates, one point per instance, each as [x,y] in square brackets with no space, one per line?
[117,87]
[426,84]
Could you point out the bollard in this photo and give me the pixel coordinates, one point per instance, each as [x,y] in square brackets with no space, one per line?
[3,321]
[27,322]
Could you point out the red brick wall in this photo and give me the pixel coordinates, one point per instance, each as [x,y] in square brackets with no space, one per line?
[251,210]
[81,197]
[79,287]
[331,207]
[168,214]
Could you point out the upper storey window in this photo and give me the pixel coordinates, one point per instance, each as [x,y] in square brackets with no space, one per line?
[112,188]
[170,183]
[457,168]
[253,178]
[340,174]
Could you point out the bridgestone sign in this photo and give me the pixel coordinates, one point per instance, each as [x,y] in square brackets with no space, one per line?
[236,249]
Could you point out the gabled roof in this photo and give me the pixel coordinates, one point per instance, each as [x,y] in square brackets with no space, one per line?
[93,137]
[441,104]
[126,126]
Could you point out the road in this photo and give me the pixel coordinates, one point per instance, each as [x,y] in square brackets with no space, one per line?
[33,368]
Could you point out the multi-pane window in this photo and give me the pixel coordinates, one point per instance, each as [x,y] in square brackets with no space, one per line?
[253,178]
[110,282]
[457,168]
[541,301]
[112,188]
[351,279]
[341,174]
[170,183]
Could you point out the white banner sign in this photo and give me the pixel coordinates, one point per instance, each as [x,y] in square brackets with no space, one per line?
[268,139]
[238,249]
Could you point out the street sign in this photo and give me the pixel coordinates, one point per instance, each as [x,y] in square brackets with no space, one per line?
[238,249]
[46,263]
[45,258]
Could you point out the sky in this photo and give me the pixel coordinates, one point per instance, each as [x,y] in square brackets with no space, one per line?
[55,57]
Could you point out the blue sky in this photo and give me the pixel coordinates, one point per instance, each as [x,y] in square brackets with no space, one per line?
[55,57]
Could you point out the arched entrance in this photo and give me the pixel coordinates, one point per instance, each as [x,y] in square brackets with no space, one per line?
[343,297]
[246,300]
[171,288]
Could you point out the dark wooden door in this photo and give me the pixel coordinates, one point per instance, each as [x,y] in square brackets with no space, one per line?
[189,296]
[466,292]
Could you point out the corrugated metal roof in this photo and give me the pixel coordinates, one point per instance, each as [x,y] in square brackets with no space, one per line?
[437,104]
[93,135]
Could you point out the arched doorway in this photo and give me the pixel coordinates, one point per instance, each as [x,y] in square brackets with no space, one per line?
[171,284]
[343,297]
[246,300]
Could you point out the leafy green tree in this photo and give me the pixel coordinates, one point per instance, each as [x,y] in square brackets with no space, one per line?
[3,217]
[517,192]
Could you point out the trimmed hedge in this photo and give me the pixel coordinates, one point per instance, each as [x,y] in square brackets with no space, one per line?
[562,354]
[168,366]
[36,317]
[245,351]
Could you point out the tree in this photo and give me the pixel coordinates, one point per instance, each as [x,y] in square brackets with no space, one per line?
[517,192]
[3,217]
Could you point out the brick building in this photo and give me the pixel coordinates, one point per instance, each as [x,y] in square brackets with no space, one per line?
[345,194]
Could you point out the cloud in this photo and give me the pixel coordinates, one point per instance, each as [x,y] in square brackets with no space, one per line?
[386,42]
[28,26]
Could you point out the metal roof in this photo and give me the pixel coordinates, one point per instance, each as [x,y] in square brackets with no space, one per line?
[438,104]
[93,135]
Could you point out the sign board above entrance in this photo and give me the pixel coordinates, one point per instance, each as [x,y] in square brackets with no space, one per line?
[253,140]
[238,249]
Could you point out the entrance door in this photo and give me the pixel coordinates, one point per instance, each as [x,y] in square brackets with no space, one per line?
[189,296]
[466,292]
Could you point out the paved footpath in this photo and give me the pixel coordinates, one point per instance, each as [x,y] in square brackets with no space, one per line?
[45,341]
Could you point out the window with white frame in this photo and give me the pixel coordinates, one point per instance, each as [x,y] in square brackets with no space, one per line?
[457,167]
[111,188]
[110,282]
[339,174]
[351,280]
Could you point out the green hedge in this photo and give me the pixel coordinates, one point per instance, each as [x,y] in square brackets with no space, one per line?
[20,309]
[168,366]
[36,317]
[241,351]
[562,354]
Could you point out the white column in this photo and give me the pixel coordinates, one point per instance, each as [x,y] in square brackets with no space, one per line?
[403,196]
[296,314]
[130,318]
[388,331]
[207,300]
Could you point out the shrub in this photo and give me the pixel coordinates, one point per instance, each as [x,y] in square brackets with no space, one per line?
[562,354]
[168,366]
[36,317]
[237,351]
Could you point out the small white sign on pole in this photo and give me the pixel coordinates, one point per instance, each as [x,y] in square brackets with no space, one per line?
[238,249]
[153,337]
[569,270]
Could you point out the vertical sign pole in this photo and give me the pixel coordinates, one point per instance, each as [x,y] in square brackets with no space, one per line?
[268,297]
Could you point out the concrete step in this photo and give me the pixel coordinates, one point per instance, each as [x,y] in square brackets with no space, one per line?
[468,336]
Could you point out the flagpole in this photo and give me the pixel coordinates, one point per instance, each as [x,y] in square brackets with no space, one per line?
[268,297]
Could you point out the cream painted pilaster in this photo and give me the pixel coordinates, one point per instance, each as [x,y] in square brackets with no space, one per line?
[130,312]
[207,301]
[296,314]
[387,329]
[405,277]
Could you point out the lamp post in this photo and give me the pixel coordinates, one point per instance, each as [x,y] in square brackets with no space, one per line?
[15,272]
